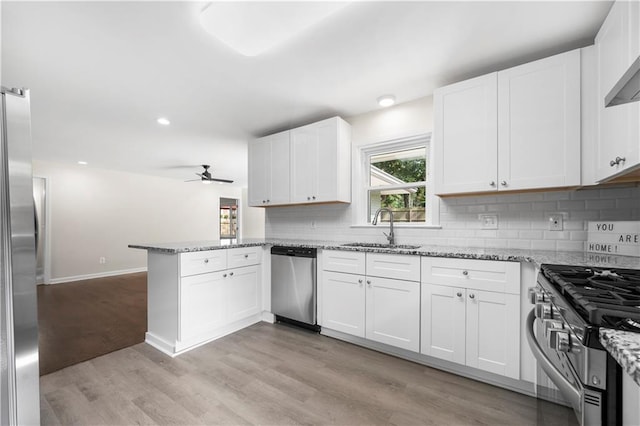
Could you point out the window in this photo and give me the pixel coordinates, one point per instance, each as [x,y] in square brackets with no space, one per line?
[228,218]
[396,176]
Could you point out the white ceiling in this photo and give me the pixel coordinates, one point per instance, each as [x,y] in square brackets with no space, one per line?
[100,73]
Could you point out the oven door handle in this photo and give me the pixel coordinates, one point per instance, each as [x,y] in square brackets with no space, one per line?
[568,390]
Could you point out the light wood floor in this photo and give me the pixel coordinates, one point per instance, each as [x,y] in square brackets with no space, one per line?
[278,375]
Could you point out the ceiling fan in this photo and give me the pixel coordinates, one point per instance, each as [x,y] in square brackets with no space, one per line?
[205,177]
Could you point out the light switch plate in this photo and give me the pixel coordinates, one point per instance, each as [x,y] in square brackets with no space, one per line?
[488,221]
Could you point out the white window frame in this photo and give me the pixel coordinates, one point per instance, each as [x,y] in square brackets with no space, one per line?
[361,181]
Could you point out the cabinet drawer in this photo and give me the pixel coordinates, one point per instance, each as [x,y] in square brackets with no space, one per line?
[351,262]
[489,275]
[243,256]
[397,266]
[201,262]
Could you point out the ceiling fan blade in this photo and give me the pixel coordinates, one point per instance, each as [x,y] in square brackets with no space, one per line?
[221,180]
[200,175]
[193,180]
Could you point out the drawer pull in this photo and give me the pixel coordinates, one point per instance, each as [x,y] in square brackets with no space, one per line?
[224,275]
[465,273]
[459,294]
[206,261]
[246,256]
[472,296]
[230,274]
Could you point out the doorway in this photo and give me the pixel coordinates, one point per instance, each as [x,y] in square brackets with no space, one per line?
[228,219]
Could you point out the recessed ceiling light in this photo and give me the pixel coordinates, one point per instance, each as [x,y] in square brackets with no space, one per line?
[386,100]
[163,121]
[82,163]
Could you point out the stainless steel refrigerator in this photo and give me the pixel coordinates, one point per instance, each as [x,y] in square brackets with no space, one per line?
[19,387]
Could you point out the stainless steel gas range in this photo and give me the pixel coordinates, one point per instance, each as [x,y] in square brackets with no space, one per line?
[571,304]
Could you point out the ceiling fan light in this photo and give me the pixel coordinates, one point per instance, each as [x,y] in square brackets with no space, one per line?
[206,182]
[164,121]
[386,100]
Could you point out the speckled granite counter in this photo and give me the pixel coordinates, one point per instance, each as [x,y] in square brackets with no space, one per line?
[512,255]
[624,346]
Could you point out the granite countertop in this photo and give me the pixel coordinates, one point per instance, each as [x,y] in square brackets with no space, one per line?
[624,346]
[538,257]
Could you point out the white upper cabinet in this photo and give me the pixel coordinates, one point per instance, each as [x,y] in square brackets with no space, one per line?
[617,46]
[269,170]
[539,124]
[321,162]
[512,130]
[466,135]
[309,164]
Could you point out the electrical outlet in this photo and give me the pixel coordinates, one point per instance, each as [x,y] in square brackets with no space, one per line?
[103,260]
[313,224]
[488,221]
[555,222]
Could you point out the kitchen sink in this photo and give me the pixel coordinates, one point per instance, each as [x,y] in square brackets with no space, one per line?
[382,246]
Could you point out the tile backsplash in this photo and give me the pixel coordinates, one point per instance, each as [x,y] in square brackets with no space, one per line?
[523,220]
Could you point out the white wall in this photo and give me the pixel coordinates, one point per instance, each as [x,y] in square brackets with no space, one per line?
[96,213]
[252,221]
[523,218]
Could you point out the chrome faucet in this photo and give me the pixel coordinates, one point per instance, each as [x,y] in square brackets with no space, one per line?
[390,237]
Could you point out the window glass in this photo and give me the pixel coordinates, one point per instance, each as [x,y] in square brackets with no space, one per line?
[397,180]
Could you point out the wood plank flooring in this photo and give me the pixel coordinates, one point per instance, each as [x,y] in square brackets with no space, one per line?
[278,375]
[85,319]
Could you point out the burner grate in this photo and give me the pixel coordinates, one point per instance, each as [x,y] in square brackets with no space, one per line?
[599,295]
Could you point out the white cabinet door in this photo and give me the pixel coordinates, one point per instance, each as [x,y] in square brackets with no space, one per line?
[269,170]
[465,136]
[539,124]
[443,325]
[202,305]
[279,183]
[321,162]
[243,293]
[619,126]
[305,143]
[259,171]
[393,312]
[343,303]
[493,332]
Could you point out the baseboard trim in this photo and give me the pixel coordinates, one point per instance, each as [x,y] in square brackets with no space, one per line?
[96,275]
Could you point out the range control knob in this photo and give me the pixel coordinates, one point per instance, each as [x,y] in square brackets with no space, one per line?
[559,340]
[544,311]
[536,295]
[552,324]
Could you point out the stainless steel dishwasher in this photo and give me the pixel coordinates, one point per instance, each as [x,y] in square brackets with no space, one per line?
[293,285]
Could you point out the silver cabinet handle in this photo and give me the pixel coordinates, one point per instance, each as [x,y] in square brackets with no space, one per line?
[472,296]
[230,274]
[308,198]
[492,183]
[459,294]
[360,281]
[246,256]
[264,201]
[617,161]
[503,183]
[224,275]
[206,261]
[465,273]
[268,201]
[313,197]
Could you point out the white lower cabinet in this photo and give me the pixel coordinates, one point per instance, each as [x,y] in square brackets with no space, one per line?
[377,308]
[343,302]
[197,297]
[209,302]
[393,312]
[242,293]
[202,304]
[467,324]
